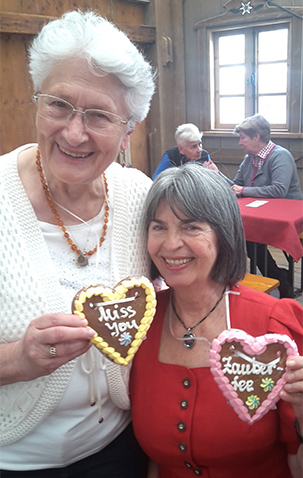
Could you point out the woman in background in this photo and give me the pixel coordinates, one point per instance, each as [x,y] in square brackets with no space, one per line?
[188,148]
[267,171]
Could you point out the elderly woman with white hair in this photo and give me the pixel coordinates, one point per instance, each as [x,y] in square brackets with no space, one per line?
[189,148]
[71,218]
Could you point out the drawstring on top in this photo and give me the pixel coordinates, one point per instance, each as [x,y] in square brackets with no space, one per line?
[88,365]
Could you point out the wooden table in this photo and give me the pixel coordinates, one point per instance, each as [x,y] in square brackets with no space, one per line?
[277,223]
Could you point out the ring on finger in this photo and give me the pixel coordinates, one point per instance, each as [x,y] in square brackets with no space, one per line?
[52,351]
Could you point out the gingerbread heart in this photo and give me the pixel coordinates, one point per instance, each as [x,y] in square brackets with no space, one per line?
[120,317]
[250,370]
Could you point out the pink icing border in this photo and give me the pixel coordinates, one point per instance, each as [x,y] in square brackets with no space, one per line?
[251,345]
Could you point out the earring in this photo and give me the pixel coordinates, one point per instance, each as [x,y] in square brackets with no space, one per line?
[122,158]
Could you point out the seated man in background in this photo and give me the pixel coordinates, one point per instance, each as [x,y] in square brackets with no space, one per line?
[189,148]
[267,171]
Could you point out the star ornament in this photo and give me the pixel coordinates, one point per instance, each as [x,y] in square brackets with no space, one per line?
[245,8]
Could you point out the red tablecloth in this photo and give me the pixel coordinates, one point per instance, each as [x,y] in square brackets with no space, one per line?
[277,223]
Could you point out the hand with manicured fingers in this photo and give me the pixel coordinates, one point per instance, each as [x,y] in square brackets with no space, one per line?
[49,342]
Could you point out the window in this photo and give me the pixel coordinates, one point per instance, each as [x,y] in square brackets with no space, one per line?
[250,75]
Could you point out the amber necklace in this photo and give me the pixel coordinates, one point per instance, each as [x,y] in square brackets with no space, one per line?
[83,256]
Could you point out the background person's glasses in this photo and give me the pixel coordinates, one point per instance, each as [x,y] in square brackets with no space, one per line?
[56,109]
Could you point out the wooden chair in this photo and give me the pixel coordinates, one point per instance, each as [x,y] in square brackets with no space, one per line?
[261,283]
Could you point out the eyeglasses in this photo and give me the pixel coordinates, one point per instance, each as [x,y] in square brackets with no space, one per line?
[56,109]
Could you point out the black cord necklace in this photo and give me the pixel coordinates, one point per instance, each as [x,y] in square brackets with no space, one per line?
[189,339]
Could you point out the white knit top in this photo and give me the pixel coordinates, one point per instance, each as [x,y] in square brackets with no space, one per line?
[30,286]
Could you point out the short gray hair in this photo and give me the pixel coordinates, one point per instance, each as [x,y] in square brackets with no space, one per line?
[186,133]
[253,125]
[107,50]
[202,195]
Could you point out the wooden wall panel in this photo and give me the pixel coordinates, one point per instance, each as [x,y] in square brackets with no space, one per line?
[19,21]
[17,122]
[169,104]
[115,10]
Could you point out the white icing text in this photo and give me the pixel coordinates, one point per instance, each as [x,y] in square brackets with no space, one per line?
[256,368]
[111,316]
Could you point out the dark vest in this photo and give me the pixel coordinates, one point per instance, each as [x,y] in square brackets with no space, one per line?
[177,159]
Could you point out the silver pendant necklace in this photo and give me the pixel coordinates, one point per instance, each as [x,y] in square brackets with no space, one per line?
[189,339]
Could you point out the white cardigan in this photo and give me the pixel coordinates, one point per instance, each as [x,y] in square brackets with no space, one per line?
[30,286]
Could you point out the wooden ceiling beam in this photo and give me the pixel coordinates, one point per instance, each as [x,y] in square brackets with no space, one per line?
[25,24]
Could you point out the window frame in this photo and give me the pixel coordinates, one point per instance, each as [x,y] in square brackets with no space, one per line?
[251,92]
[229,22]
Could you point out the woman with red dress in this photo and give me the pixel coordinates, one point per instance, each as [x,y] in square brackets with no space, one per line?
[181,418]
